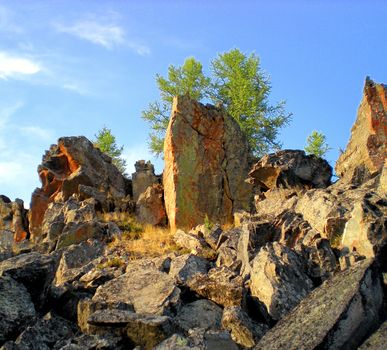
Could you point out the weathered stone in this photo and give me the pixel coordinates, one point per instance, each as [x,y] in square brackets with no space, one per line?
[279,279]
[176,342]
[35,271]
[367,148]
[143,178]
[206,161]
[74,258]
[150,206]
[377,340]
[266,204]
[210,234]
[16,308]
[74,161]
[244,331]
[252,237]
[189,241]
[93,342]
[336,315]
[366,231]
[45,333]
[13,218]
[184,267]
[228,249]
[290,169]
[201,313]
[220,285]
[148,290]
[6,244]
[211,340]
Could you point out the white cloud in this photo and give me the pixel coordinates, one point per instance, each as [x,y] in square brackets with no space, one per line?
[107,35]
[77,88]
[103,33]
[14,66]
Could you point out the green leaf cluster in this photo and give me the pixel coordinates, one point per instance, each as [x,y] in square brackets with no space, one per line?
[106,142]
[237,83]
[316,144]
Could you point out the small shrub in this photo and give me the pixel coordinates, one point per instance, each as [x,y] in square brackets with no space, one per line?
[207,223]
[113,262]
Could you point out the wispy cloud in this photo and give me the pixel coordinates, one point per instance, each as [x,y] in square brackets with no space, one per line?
[104,33]
[18,155]
[6,113]
[14,66]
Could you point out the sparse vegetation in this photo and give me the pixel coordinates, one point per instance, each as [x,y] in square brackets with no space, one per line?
[138,240]
[207,223]
[113,262]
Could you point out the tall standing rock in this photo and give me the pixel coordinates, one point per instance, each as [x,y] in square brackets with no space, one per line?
[206,162]
[68,168]
[367,149]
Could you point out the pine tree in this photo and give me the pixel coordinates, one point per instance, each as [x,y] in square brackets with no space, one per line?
[238,83]
[106,142]
[316,144]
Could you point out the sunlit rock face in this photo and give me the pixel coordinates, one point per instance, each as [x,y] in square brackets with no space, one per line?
[73,166]
[206,162]
[367,149]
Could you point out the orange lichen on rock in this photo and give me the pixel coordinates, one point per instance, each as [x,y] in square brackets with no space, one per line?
[367,149]
[206,162]
[52,173]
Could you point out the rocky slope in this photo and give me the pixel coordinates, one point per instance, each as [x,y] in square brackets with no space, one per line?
[303,266]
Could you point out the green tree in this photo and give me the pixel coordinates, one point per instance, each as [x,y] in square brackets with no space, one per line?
[188,79]
[243,89]
[238,83]
[106,142]
[316,144]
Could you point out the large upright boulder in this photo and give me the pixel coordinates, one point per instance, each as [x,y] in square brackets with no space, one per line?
[206,162]
[367,148]
[71,167]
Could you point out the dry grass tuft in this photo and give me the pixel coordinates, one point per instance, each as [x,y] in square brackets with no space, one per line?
[140,241]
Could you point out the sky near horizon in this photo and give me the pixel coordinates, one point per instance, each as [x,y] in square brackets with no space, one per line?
[70,67]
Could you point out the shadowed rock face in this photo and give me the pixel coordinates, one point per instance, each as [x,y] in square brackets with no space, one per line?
[206,162]
[72,163]
[367,149]
[337,315]
[290,169]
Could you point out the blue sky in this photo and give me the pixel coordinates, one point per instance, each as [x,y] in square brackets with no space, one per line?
[70,67]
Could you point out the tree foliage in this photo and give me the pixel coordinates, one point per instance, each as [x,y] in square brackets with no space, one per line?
[189,80]
[243,89]
[316,144]
[237,82]
[106,142]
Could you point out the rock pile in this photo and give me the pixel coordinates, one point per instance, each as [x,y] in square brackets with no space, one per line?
[305,270]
